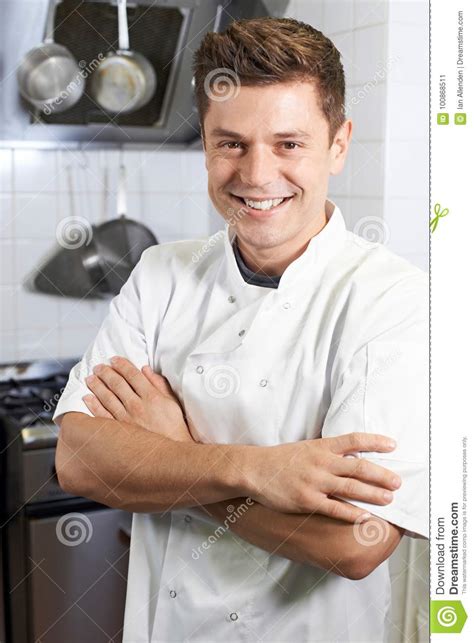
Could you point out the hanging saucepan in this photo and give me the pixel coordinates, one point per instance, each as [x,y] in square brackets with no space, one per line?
[49,77]
[125,80]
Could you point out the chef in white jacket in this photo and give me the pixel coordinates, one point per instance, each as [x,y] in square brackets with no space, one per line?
[276,336]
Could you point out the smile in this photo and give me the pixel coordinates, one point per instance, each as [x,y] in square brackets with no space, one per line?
[268,204]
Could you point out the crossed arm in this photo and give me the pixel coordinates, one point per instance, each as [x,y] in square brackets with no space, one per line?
[112,458]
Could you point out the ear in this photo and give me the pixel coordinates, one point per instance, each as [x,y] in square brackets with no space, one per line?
[340,147]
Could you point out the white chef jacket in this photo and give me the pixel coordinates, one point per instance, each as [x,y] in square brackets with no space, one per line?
[340,346]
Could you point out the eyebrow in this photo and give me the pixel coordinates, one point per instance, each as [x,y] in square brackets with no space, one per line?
[296,133]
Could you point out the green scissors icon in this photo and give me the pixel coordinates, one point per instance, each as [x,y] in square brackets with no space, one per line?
[438,215]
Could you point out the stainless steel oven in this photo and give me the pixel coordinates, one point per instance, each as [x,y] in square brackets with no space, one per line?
[65,558]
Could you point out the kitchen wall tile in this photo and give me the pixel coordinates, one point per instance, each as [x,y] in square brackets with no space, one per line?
[135,169]
[344,205]
[29,255]
[37,310]
[7,263]
[73,341]
[408,220]
[8,308]
[88,206]
[38,344]
[163,171]
[7,221]
[409,48]
[309,11]
[83,168]
[407,170]
[216,221]
[370,13]
[195,173]
[6,164]
[338,16]
[292,9]
[415,12]
[408,117]
[8,347]
[366,106]
[364,213]
[367,170]
[82,313]
[109,164]
[345,44]
[35,215]
[340,184]
[163,213]
[195,222]
[370,53]
[35,170]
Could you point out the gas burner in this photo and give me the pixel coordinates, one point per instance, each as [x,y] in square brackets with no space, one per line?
[29,392]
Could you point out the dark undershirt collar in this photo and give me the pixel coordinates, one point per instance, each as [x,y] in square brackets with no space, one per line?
[251,277]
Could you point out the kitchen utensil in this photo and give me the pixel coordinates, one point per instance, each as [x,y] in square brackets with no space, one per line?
[125,80]
[101,265]
[49,77]
[119,243]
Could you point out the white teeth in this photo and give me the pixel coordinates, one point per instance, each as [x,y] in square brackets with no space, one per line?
[263,205]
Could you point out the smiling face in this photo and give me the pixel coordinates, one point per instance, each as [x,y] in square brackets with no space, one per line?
[269,160]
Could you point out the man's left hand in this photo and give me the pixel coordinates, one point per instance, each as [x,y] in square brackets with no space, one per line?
[125,393]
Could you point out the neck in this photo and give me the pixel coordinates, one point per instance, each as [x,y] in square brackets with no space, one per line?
[274,261]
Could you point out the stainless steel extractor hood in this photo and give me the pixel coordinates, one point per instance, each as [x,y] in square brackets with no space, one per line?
[167,32]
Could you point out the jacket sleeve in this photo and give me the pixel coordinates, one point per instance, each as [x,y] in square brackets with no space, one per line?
[385,390]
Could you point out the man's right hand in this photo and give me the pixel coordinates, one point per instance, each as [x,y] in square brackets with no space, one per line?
[309,476]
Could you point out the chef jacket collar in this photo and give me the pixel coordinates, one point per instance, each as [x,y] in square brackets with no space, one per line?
[308,266]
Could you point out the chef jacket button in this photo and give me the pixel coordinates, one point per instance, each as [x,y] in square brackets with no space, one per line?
[286,305]
[173,593]
[263,382]
[187,518]
[231,299]
[242,333]
[199,369]
[233,616]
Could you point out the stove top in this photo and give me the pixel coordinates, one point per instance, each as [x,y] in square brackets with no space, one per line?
[29,391]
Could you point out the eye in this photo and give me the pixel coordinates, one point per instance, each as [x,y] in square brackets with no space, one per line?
[231,145]
[290,145]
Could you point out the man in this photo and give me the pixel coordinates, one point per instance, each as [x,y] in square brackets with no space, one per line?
[248,366]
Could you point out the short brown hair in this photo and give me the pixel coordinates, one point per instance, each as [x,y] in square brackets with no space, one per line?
[263,51]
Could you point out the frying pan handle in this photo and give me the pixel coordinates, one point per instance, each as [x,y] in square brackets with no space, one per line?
[121,193]
[124,43]
[49,31]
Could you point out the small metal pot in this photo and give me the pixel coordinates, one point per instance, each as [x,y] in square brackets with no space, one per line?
[49,77]
[125,80]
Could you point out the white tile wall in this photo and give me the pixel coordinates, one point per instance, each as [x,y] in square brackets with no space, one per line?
[367,178]
[370,12]
[166,190]
[338,16]
[366,106]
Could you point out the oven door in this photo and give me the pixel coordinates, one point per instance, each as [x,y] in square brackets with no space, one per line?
[78,576]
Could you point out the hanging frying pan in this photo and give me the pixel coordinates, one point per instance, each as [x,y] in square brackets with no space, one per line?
[118,244]
[125,80]
[49,77]
[99,267]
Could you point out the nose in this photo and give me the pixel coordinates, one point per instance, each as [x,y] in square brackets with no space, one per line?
[258,167]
